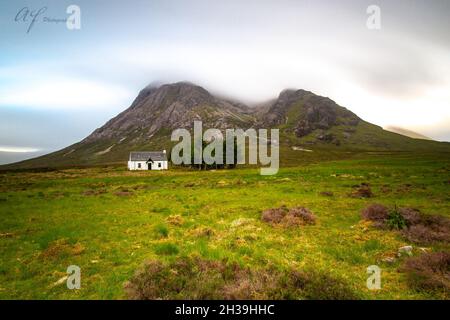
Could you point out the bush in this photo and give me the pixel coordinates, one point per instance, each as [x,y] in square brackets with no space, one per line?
[429,229]
[320,286]
[396,220]
[415,226]
[274,215]
[411,216]
[304,214]
[429,272]
[376,213]
[289,217]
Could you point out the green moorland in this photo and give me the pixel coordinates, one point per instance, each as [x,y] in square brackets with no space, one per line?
[109,221]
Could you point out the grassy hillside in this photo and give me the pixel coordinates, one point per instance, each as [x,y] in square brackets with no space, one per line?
[109,221]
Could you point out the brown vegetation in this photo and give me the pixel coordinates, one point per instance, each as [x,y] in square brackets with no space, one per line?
[430,272]
[415,226]
[362,191]
[196,278]
[289,217]
[60,248]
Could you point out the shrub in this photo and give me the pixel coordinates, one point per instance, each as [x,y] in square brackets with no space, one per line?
[321,286]
[429,229]
[304,214]
[376,213]
[430,271]
[274,215]
[289,217]
[415,226]
[197,278]
[395,220]
[411,216]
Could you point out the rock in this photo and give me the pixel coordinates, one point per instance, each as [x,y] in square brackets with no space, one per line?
[222,183]
[60,281]
[388,260]
[405,249]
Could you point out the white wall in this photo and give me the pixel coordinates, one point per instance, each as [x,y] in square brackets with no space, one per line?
[156,165]
[134,165]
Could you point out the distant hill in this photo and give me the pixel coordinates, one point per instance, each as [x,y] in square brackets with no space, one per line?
[304,119]
[407,133]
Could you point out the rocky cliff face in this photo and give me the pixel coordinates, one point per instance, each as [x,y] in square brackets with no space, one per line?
[169,107]
[302,117]
[303,112]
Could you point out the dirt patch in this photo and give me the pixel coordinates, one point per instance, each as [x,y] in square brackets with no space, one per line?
[96,185]
[327,193]
[6,235]
[60,248]
[414,225]
[123,193]
[385,189]
[94,192]
[404,188]
[197,278]
[202,232]
[189,185]
[175,220]
[289,217]
[362,191]
[429,272]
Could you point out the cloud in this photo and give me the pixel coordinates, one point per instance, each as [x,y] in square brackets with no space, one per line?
[13,149]
[64,93]
[398,69]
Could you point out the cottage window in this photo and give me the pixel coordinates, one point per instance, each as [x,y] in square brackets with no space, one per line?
[139,165]
[159,164]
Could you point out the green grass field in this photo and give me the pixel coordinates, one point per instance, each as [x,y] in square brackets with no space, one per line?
[109,221]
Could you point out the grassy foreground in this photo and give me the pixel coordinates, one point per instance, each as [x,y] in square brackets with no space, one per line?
[109,221]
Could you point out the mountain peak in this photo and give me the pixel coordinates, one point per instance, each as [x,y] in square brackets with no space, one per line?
[302,117]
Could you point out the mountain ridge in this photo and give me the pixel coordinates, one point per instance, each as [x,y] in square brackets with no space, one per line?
[304,119]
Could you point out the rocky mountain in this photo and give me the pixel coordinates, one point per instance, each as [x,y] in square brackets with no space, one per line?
[304,119]
[169,107]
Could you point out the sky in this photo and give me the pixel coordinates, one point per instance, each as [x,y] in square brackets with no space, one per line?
[57,85]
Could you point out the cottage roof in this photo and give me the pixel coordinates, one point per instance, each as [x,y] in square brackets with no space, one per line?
[148,155]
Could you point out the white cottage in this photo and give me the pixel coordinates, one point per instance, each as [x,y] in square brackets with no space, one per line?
[147,160]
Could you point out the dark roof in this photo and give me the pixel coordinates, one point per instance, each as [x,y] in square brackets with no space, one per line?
[148,155]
